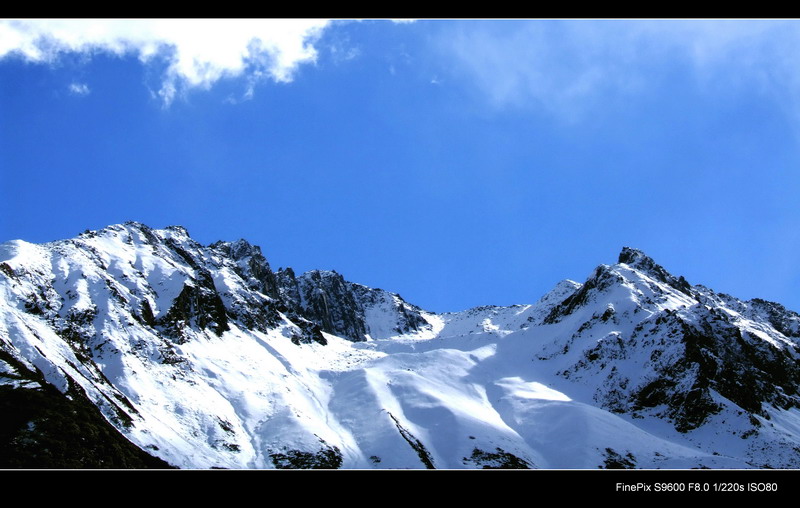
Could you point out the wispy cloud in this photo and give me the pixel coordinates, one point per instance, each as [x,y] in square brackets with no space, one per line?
[198,53]
[79,89]
[566,66]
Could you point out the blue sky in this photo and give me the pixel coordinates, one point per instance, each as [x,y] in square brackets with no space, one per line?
[459,163]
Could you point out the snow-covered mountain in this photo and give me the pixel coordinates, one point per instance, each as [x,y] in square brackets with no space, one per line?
[204,357]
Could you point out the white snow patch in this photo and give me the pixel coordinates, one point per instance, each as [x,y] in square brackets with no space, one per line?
[519,388]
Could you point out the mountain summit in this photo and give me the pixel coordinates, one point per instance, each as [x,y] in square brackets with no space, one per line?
[177,354]
[643,263]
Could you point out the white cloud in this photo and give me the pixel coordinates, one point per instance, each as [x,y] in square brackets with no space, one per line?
[198,52]
[566,66]
[79,89]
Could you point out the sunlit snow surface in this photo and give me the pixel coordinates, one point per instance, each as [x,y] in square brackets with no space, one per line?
[486,380]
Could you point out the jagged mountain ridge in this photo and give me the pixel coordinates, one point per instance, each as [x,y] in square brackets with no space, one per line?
[205,357]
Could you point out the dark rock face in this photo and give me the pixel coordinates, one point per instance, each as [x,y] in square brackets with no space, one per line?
[44,428]
[614,460]
[740,366]
[199,306]
[251,265]
[288,288]
[498,459]
[682,388]
[785,321]
[323,298]
[329,457]
[329,302]
[719,357]
[340,307]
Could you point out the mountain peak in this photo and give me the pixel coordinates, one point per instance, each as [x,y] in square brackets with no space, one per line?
[238,249]
[136,224]
[178,229]
[631,256]
[640,261]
